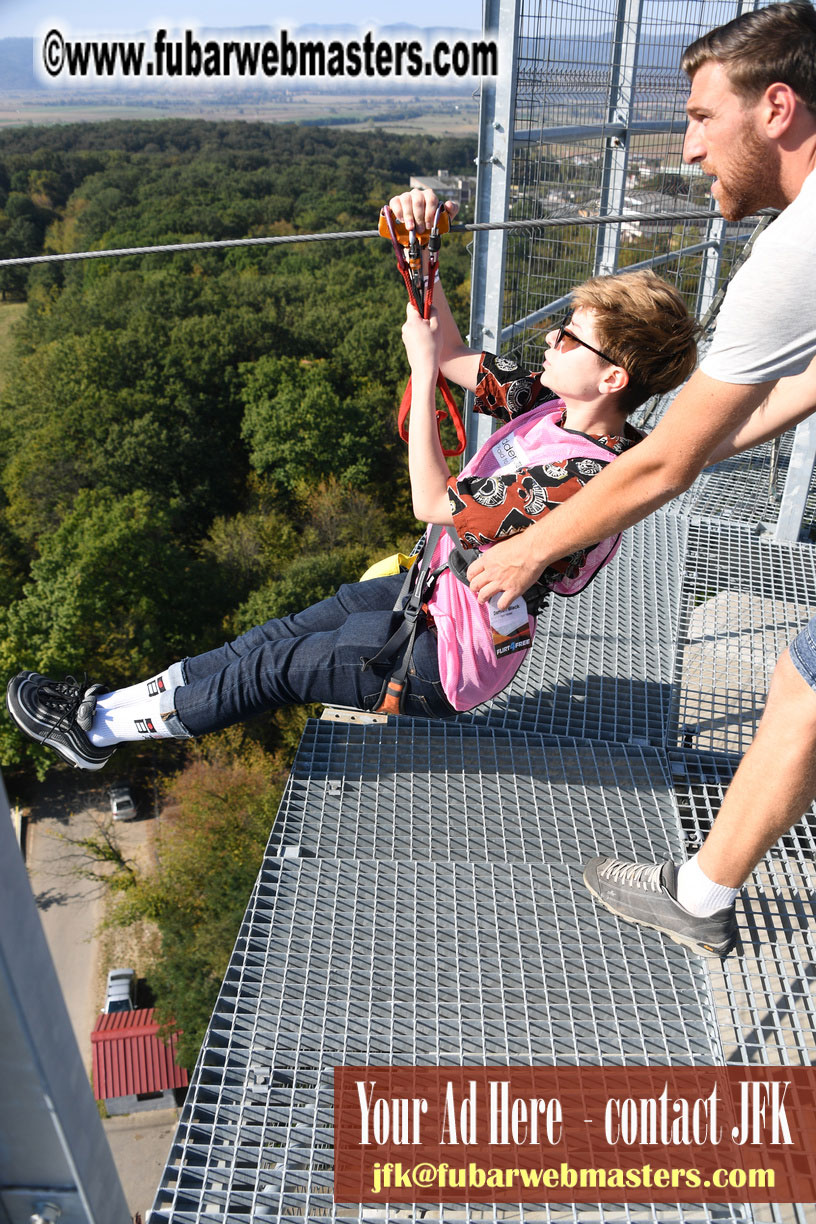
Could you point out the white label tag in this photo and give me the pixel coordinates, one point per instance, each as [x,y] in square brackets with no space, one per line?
[510,626]
[509,454]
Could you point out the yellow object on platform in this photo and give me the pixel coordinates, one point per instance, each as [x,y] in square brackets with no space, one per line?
[397,563]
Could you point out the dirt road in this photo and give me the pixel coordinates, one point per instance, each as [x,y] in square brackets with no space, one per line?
[71,908]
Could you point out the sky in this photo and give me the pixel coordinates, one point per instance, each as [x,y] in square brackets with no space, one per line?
[24,18]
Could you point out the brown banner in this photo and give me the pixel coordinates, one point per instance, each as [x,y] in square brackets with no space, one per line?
[575,1134]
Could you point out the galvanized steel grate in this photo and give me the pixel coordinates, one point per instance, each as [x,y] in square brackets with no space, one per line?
[423,791]
[766,996]
[746,488]
[741,489]
[344,962]
[365,959]
[744,598]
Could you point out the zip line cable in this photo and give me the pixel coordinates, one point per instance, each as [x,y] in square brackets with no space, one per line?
[281,239]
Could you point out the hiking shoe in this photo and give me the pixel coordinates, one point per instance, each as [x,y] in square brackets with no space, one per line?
[647,893]
[58,713]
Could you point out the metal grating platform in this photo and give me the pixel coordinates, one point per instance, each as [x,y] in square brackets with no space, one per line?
[738,489]
[601,663]
[375,960]
[744,597]
[444,791]
[743,489]
[700,781]
[366,951]
[766,997]
[342,960]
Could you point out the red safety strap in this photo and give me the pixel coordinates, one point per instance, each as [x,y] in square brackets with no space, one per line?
[422,300]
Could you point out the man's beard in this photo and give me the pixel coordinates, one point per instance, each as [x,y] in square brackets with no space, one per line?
[751,179]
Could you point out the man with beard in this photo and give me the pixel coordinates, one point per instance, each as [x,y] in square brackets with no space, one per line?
[752,125]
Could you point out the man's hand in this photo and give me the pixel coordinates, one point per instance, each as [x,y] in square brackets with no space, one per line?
[416,209]
[508,568]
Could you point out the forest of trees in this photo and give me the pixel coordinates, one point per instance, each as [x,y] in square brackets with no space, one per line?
[193,442]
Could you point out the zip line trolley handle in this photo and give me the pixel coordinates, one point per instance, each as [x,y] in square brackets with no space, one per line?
[404,239]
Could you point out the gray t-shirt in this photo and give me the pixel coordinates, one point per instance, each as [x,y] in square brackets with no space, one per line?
[767,325]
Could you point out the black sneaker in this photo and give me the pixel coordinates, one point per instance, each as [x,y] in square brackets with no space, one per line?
[58,713]
[647,893]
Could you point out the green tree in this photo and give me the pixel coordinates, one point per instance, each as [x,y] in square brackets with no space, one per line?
[179,433]
[110,593]
[296,423]
[306,581]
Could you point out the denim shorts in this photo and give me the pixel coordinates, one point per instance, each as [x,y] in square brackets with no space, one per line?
[803,652]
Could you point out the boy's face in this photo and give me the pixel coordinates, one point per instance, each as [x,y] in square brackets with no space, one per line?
[571,370]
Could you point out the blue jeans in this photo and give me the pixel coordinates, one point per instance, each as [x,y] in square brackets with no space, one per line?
[802,651]
[314,655]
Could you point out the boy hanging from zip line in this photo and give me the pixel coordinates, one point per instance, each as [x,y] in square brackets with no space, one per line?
[628,337]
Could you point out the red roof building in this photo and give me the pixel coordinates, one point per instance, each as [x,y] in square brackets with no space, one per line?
[131,1060]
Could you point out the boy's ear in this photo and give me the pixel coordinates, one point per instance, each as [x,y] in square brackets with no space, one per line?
[615,379]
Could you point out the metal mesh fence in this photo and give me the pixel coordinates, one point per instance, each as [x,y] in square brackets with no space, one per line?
[746,488]
[598,129]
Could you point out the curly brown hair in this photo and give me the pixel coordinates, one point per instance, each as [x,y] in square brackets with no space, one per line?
[642,323]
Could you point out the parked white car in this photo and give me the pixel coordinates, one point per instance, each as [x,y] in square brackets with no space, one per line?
[120,990]
[121,803]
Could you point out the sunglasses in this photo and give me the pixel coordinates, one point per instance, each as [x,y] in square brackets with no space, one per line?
[562,330]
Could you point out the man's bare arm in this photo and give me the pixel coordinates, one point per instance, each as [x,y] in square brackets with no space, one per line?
[703,415]
[790,401]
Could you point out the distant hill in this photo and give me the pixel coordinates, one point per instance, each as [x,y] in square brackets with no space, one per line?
[17,65]
[595,52]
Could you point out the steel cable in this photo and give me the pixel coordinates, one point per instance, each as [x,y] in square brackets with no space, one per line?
[283,239]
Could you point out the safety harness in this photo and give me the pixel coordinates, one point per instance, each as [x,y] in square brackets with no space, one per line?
[417,588]
[415,591]
[403,239]
[411,603]
[421,579]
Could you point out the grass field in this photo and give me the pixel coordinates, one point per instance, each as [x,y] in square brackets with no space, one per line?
[10,312]
[440,115]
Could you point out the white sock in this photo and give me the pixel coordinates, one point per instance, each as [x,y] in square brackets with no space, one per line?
[700,895]
[139,718]
[142,691]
